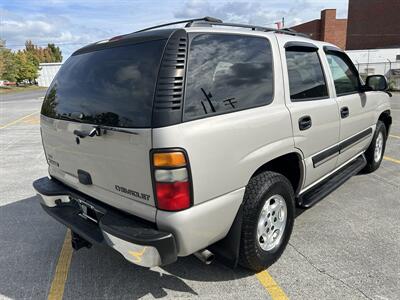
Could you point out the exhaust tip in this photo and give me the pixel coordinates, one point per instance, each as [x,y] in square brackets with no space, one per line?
[210,259]
[205,256]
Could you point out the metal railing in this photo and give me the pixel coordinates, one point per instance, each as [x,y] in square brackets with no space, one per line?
[391,69]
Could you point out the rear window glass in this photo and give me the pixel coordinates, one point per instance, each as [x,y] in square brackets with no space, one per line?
[113,87]
[227,73]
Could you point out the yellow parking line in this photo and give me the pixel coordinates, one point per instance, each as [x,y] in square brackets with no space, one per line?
[32,120]
[18,120]
[271,286]
[61,273]
[391,159]
[394,136]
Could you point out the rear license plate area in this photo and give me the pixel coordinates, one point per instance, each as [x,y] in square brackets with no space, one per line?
[87,211]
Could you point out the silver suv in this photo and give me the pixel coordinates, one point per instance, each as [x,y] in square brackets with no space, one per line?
[202,140]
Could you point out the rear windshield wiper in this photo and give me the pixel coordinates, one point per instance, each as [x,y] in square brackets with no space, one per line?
[82,134]
[105,128]
[99,130]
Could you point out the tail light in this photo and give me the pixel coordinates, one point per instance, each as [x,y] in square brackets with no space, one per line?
[172,181]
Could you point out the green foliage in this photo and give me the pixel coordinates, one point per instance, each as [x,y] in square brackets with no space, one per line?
[8,68]
[49,109]
[27,66]
[24,64]
[56,53]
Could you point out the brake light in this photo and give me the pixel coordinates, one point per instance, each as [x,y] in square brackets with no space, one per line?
[173,196]
[172,181]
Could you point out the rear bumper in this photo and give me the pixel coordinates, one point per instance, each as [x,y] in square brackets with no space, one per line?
[137,240]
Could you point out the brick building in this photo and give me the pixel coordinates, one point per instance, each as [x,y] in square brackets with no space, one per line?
[327,28]
[373,24]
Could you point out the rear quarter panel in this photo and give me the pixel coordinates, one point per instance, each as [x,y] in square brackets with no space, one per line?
[225,150]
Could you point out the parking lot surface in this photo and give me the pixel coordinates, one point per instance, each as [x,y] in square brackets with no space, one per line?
[345,247]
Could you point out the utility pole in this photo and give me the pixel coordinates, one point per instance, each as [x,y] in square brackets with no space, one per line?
[283,22]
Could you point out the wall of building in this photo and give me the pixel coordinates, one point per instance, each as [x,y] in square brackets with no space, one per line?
[373,24]
[311,28]
[333,30]
[47,72]
[327,28]
[374,55]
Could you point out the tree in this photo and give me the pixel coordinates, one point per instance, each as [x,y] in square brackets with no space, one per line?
[29,46]
[27,68]
[56,53]
[2,63]
[8,68]
[24,64]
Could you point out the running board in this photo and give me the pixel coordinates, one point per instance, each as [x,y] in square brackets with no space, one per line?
[323,189]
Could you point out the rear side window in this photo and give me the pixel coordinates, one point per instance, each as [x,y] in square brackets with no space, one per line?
[344,75]
[113,87]
[306,78]
[227,73]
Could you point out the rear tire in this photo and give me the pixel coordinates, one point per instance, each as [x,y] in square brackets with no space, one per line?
[268,218]
[376,149]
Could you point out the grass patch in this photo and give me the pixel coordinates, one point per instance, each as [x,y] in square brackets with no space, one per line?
[17,89]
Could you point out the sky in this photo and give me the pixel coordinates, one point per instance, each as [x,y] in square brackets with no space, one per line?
[71,24]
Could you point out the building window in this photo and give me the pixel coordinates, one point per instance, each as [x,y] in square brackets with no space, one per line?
[398,57]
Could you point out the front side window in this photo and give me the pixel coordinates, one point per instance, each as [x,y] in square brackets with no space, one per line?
[306,78]
[227,73]
[344,76]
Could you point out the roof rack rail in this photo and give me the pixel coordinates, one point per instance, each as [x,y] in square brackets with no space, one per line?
[210,21]
[252,27]
[189,22]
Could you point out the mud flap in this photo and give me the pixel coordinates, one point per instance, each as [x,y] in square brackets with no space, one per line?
[227,249]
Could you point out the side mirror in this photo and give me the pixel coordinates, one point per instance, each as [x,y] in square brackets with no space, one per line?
[376,83]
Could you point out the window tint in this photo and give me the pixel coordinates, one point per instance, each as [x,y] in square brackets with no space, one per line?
[345,79]
[111,87]
[306,78]
[227,73]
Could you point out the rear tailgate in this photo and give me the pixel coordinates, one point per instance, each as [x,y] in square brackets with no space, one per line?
[117,162]
[109,90]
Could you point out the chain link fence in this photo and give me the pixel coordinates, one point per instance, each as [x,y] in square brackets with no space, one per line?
[391,69]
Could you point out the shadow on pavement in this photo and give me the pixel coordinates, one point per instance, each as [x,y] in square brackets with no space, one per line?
[30,246]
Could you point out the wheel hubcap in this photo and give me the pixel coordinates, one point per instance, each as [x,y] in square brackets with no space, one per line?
[272,222]
[378,147]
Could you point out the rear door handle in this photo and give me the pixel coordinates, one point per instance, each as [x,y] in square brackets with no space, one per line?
[305,122]
[344,112]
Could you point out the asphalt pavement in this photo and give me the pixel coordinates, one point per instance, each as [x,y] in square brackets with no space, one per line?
[345,247]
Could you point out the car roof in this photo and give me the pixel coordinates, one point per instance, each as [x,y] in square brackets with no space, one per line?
[126,39]
[270,34]
[158,34]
